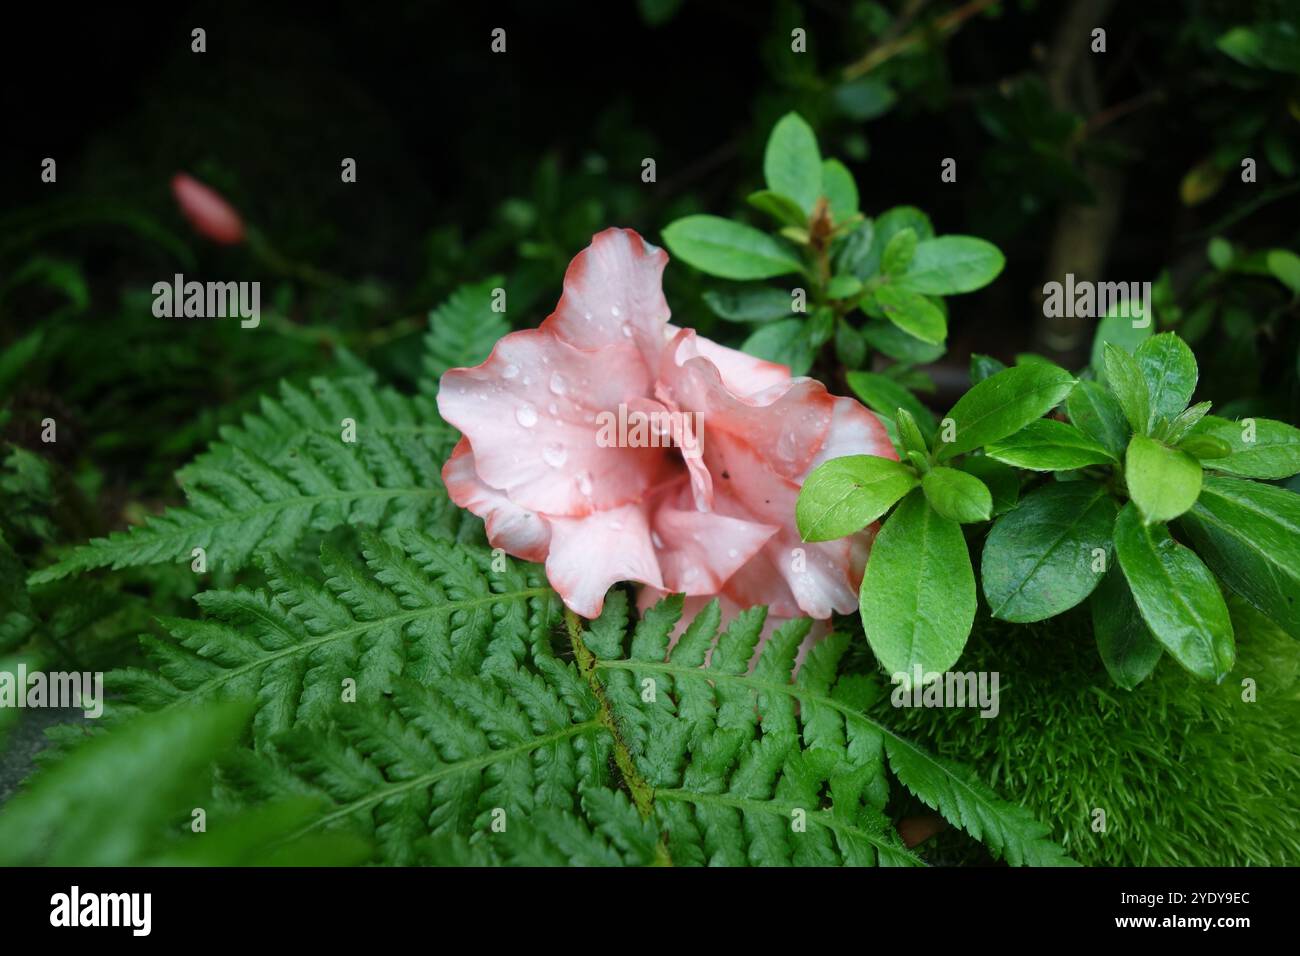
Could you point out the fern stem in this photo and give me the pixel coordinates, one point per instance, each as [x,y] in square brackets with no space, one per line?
[642,793]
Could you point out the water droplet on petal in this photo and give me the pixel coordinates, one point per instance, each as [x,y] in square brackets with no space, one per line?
[785,446]
[613,310]
[733,553]
[584,483]
[586,316]
[555,455]
[558,385]
[510,371]
[527,380]
[627,330]
[553,408]
[526,415]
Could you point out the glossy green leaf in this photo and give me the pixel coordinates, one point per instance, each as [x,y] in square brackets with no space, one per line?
[786,342]
[1002,481]
[781,208]
[1249,535]
[1163,482]
[792,163]
[1177,596]
[749,303]
[982,366]
[884,336]
[1182,424]
[844,495]
[884,396]
[863,258]
[1127,648]
[1169,369]
[1205,448]
[1124,376]
[912,313]
[1097,413]
[898,252]
[731,250]
[840,190]
[1258,447]
[949,265]
[1048,553]
[958,496]
[1049,445]
[918,594]
[1120,331]
[909,432]
[1001,405]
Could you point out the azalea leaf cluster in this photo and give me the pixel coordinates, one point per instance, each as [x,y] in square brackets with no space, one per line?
[1078,506]
[864,283]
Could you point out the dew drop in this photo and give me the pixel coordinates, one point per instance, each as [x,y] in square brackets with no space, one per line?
[584,483]
[558,385]
[510,371]
[553,408]
[785,446]
[555,455]
[733,553]
[627,330]
[658,541]
[613,310]
[526,415]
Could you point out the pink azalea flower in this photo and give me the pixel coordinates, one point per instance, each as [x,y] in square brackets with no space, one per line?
[710,515]
[210,215]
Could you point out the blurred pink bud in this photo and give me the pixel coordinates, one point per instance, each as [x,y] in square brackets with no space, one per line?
[209,214]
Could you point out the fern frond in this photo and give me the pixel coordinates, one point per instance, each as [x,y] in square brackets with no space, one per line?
[452,759]
[425,609]
[702,726]
[462,331]
[288,470]
[471,737]
[1008,830]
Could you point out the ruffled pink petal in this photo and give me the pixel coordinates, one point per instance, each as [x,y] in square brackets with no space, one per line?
[854,431]
[790,575]
[698,551]
[516,530]
[788,420]
[742,374]
[589,555]
[533,413]
[613,294]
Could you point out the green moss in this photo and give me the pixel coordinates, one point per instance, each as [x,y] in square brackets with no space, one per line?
[1187,773]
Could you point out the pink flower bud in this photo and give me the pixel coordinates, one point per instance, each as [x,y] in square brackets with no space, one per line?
[209,214]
